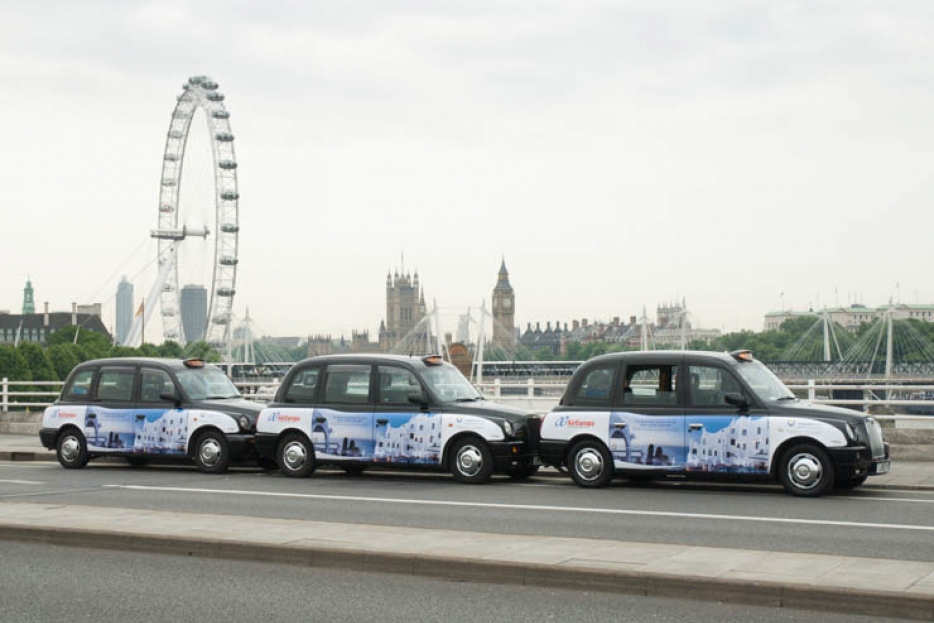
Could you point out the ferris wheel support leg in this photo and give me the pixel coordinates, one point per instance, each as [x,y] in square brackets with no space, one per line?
[149,303]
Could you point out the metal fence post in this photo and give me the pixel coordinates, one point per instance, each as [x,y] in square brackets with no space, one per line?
[4,395]
[531,388]
[812,391]
[496,388]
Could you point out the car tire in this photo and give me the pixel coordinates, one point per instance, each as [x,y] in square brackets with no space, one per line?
[353,470]
[852,483]
[296,456]
[471,461]
[806,471]
[522,472]
[590,464]
[138,461]
[212,454]
[71,450]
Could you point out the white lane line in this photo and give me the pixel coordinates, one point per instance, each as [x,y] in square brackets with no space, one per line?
[23,482]
[532,507]
[854,497]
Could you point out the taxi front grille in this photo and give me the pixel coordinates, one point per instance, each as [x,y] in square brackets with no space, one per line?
[876,441]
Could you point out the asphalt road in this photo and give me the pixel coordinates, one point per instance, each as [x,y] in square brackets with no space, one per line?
[894,524]
[40,583]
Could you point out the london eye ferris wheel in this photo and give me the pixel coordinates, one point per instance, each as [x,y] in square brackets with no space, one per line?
[200,92]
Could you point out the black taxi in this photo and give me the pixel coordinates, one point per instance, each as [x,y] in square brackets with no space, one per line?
[705,415]
[361,411]
[145,408]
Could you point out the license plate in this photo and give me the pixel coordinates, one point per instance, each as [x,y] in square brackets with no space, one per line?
[883,468]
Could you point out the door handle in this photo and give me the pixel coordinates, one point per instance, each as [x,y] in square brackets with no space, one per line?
[321,420]
[92,416]
[140,416]
[619,425]
[695,426]
[381,422]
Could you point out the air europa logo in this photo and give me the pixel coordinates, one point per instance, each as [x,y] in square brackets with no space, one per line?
[573,422]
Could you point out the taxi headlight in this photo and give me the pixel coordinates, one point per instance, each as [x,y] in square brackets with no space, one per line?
[509,428]
[244,422]
[850,432]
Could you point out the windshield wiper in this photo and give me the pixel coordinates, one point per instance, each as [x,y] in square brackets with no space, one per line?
[219,397]
[474,399]
[786,398]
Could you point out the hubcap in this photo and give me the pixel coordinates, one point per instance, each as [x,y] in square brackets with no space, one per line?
[469,461]
[588,464]
[210,452]
[804,470]
[294,455]
[70,449]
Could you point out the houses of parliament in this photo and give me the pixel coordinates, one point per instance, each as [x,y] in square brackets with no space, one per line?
[405,309]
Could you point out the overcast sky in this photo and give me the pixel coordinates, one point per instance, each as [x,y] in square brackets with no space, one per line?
[619,154]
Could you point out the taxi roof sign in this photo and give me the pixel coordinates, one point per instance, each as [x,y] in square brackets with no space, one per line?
[433,360]
[742,355]
[194,362]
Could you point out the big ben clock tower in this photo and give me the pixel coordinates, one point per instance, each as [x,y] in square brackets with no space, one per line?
[504,312]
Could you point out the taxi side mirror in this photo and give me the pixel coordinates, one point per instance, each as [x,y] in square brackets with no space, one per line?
[418,398]
[170,397]
[736,400]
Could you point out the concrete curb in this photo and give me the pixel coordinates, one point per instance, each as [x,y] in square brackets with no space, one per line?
[877,603]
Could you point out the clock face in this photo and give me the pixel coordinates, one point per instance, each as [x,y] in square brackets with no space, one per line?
[507,303]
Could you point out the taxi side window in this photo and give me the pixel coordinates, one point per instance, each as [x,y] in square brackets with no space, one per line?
[153,383]
[596,388]
[80,387]
[396,385]
[304,386]
[115,385]
[709,384]
[651,385]
[347,384]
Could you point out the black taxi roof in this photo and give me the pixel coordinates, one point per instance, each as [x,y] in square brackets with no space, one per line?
[164,362]
[366,358]
[644,356]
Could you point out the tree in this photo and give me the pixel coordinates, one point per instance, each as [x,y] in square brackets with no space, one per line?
[171,350]
[96,345]
[40,366]
[202,350]
[13,365]
[64,358]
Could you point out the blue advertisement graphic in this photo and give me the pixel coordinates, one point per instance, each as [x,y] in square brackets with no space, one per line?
[648,441]
[339,435]
[408,438]
[150,431]
[727,444]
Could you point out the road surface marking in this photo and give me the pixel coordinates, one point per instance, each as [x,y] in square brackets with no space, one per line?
[531,507]
[23,482]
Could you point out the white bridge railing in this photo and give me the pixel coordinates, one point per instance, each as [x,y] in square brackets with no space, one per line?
[20,395]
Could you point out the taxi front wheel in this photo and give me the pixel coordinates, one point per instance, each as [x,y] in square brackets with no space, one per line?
[212,455]
[471,461]
[590,464]
[806,470]
[71,450]
[296,456]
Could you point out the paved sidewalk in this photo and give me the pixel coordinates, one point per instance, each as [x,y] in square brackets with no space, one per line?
[906,475]
[819,582]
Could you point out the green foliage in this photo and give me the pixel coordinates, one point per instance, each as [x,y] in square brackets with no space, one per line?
[202,350]
[64,358]
[171,350]
[13,365]
[40,366]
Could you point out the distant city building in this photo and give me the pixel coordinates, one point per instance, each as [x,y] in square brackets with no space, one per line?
[194,308]
[91,309]
[29,304]
[405,308]
[504,312]
[124,313]
[850,318]
[326,345]
[37,328]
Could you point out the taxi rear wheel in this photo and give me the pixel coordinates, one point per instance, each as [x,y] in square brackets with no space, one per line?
[71,450]
[590,464]
[296,456]
[471,461]
[806,471]
[212,454]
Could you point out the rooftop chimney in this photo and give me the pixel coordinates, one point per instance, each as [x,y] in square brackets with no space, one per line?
[632,320]
[74,314]
[45,316]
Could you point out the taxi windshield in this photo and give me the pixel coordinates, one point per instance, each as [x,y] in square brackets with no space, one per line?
[449,385]
[207,384]
[767,386]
